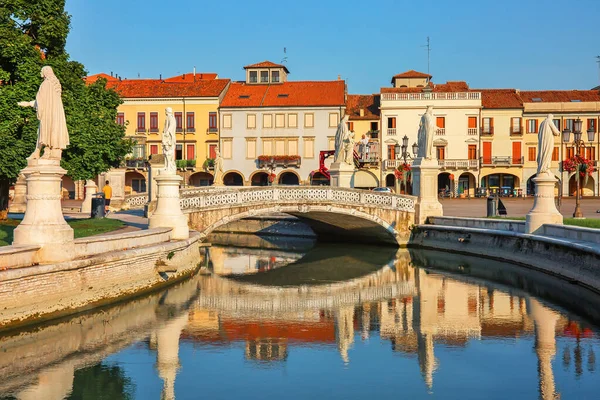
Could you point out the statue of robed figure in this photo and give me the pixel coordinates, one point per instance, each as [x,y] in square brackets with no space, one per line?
[168,142]
[218,169]
[343,137]
[425,136]
[546,144]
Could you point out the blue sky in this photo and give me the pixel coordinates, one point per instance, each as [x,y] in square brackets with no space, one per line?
[524,44]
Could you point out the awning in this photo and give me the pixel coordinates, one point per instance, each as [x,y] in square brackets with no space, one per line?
[364,179]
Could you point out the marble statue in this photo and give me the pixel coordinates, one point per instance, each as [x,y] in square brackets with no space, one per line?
[546,144]
[349,148]
[218,171]
[53,136]
[168,142]
[342,137]
[426,132]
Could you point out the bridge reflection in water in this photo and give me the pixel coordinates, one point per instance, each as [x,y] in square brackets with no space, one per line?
[420,311]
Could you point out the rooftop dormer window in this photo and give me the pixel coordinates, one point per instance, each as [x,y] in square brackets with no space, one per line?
[253,76]
[264,76]
[275,76]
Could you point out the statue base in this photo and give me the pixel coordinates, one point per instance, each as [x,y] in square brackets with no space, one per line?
[168,212]
[90,190]
[424,174]
[544,208]
[341,175]
[19,202]
[44,223]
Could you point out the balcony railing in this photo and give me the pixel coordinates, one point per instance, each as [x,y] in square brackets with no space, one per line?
[368,154]
[505,161]
[391,131]
[274,161]
[431,96]
[391,164]
[440,131]
[458,164]
[472,131]
[487,130]
[136,164]
[516,130]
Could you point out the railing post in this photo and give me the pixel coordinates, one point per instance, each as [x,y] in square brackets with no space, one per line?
[330,193]
[275,193]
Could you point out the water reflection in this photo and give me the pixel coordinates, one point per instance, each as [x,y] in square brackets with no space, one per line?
[463,324]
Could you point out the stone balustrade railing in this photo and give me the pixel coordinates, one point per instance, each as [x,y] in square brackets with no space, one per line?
[231,196]
[137,200]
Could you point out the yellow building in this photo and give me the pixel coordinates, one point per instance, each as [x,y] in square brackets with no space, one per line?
[194,98]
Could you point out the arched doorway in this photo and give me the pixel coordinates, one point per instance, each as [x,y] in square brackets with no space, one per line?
[288,178]
[390,181]
[201,179]
[466,184]
[259,179]
[319,179]
[233,179]
[134,183]
[444,183]
[503,184]
[586,188]
[364,180]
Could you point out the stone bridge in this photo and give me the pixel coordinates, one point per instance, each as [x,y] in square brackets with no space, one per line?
[335,214]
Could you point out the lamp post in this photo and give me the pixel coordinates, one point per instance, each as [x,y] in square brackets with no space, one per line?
[577,143]
[402,151]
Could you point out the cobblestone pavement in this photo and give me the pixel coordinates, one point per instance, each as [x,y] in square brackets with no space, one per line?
[516,207]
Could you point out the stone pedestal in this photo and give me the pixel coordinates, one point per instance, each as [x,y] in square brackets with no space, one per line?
[44,223]
[90,190]
[19,203]
[341,175]
[425,174]
[544,208]
[168,213]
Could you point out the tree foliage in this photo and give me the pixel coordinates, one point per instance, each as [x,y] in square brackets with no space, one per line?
[33,33]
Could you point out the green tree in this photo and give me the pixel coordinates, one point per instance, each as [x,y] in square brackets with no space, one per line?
[33,33]
[102,382]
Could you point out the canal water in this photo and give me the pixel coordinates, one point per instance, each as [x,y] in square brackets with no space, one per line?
[282,318]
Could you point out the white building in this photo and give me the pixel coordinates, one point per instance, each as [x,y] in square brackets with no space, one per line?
[270,125]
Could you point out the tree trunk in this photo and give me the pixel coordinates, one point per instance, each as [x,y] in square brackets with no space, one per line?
[4,185]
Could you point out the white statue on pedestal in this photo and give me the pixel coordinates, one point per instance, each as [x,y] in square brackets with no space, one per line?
[425,136]
[52,131]
[546,144]
[343,139]
[168,142]
[218,171]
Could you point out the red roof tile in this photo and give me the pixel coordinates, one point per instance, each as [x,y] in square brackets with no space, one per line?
[369,103]
[287,94]
[189,77]
[94,78]
[500,98]
[267,64]
[557,96]
[143,88]
[451,86]
[412,74]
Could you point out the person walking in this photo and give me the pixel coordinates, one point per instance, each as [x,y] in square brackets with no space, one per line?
[107,190]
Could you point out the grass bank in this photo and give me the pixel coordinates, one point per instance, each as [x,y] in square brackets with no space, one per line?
[586,223]
[81,228]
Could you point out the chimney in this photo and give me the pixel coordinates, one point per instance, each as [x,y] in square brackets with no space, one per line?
[339,77]
[111,74]
[183,76]
[362,112]
[194,71]
[160,76]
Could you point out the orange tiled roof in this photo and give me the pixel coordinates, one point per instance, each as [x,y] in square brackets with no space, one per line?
[412,74]
[557,96]
[369,103]
[144,88]
[500,98]
[189,77]
[94,78]
[450,86]
[267,64]
[287,94]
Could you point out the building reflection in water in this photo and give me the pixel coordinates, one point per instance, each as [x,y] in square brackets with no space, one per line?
[417,310]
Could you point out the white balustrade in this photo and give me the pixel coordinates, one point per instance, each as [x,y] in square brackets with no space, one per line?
[391,131]
[431,96]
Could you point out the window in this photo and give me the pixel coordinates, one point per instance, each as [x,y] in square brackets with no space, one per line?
[515,124]
[555,154]
[472,152]
[472,122]
[280,147]
[250,148]
[556,122]
[333,120]
[227,121]
[179,152]
[153,149]
[141,122]
[440,152]
[391,122]
[532,125]
[374,126]
[212,151]
[292,147]
[178,121]
[251,121]
[440,122]
[275,76]
[590,153]
[153,122]
[292,120]
[309,120]
[487,127]
[279,120]
[351,126]
[253,76]
[309,147]
[516,153]
[190,121]
[267,120]
[264,76]
[267,147]
[227,149]
[212,121]
[487,153]
[531,154]
[591,124]
[121,119]
[570,152]
[138,185]
[569,124]
[391,152]
[191,152]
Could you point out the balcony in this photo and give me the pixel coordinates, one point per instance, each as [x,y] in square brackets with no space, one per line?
[136,163]
[458,164]
[516,131]
[505,161]
[275,161]
[391,164]
[431,96]
[391,131]
[440,131]
[140,130]
[487,131]
[472,131]
[213,130]
[367,155]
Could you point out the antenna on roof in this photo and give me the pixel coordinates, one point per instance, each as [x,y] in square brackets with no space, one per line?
[138,75]
[598,61]
[428,53]
[284,59]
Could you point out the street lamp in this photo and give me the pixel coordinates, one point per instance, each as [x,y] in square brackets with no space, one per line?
[405,154]
[578,143]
